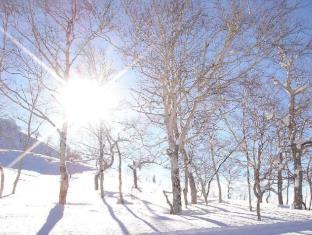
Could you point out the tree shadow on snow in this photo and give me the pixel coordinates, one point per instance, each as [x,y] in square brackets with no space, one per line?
[258,229]
[55,215]
[197,216]
[152,211]
[143,220]
[111,211]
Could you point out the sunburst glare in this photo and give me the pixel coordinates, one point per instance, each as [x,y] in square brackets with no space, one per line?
[87,100]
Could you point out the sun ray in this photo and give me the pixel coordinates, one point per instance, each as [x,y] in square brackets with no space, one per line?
[31,55]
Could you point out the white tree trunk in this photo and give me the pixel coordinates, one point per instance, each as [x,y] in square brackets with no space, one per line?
[63,169]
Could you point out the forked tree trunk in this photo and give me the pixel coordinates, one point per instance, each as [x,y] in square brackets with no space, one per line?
[189,176]
[99,177]
[63,170]
[257,191]
[203,190]
[207,193]
[2,181]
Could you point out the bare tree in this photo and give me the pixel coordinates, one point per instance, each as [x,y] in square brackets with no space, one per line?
[104,152]
[174,48]
[56,44]
[260,138]
[289,57]
[231,172]
[32,129]
[212,145]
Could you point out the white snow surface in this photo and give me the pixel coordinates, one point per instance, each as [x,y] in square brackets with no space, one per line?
[33,210]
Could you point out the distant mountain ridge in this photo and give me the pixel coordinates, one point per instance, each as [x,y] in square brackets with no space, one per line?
[42,159]
[12,137]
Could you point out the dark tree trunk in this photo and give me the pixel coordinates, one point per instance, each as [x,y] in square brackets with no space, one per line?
[249,187]
[310,196]
[96,180]
[135,176]
[280,181]
[298,176]
[257,191]
[258,209]
[186,180]
[208,190]
[175,180]
[229,190]
[203,190]
[121,200]
[193,188]
[280,188]
[217,175]
[190,176]
[102,184]
[287,191]
[268,196]
[185,197]
[185,190]
[19,171]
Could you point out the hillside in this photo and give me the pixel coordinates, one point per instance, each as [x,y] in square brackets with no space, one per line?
[39,163]
[42,159]
[12,137]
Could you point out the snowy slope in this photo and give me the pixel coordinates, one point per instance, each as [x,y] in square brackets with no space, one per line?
[39,163]
[12,137]
[33,210]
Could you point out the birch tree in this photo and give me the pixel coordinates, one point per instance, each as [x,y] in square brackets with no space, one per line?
[104,151]
[297,86]
[32,128]
[55,35]
[184,56]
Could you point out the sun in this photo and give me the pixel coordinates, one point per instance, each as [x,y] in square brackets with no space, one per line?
[86,100]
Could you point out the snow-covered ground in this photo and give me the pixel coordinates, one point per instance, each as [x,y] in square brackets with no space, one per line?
[33,210]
